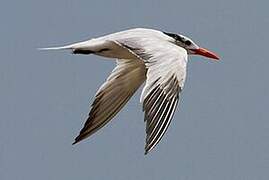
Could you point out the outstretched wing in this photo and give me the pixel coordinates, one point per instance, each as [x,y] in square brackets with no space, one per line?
[166,72]
[160,96]
[124,80]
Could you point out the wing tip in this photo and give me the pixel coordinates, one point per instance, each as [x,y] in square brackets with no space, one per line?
[145,153]
[75,141]
[148,148]
[79,138]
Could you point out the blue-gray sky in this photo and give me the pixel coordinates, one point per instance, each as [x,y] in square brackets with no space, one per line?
[220,130]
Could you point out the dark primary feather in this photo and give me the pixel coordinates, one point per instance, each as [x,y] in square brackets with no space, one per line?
[159,107]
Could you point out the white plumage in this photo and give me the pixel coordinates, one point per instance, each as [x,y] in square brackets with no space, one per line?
[142,55]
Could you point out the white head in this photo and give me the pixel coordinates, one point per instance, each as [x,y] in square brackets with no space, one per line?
[190,46]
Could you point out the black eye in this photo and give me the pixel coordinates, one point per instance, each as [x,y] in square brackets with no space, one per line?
[188,42]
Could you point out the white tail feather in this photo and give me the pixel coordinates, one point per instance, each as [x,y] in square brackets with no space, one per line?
[57,48]
[84,44]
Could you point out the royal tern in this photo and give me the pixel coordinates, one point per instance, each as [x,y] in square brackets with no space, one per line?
[156,57]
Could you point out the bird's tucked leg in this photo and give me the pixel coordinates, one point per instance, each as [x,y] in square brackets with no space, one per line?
[82,51]
[87,51]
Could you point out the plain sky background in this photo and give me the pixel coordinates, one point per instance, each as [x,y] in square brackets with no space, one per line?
[220,130]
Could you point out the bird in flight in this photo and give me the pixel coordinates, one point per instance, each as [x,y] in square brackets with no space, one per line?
[142,55]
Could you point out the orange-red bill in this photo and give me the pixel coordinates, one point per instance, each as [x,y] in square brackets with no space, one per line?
[206,53]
